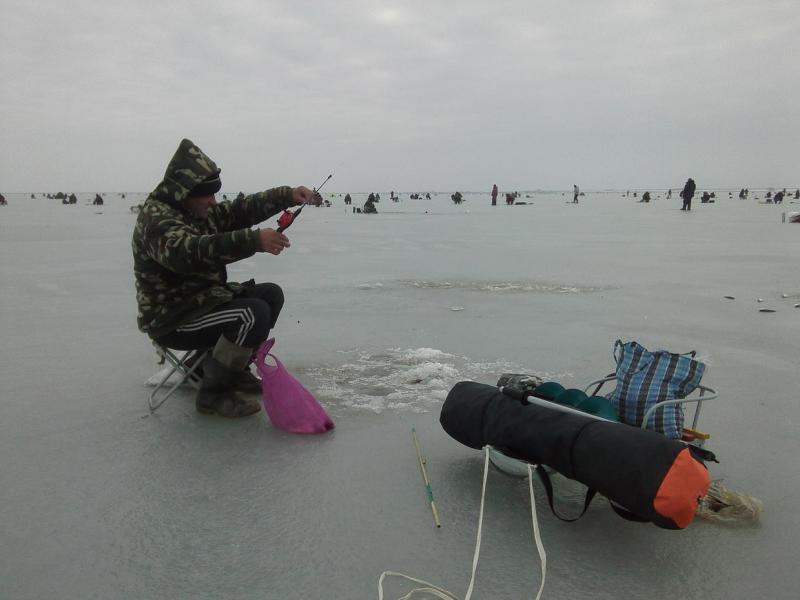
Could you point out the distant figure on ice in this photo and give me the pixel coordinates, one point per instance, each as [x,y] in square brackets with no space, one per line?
[669,193]
[509,198]
[73,199]
[371,197]
[457,198]
[575,193]
[181,245]
[688,193]
[645,197]
[778,199]
[797,194]
[347,199]
[3,201]
[494,195]
[369,206]
[98,200]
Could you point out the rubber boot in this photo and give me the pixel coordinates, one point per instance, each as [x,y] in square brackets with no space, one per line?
[247,383]
[215,396]
[221,370]
[244,381]
[238,359]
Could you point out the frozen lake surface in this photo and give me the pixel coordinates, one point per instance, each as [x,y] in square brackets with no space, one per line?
[384,313]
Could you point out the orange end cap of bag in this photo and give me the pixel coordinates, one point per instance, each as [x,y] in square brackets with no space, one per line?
[686,482]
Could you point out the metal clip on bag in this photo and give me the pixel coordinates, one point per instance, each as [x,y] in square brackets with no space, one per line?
[290,406]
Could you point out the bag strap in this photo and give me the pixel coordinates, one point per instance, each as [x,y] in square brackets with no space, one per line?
[263,350]
[590,493]
[548,488]
[618,346]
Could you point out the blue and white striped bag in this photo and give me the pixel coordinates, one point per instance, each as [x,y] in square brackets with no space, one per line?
[645,378]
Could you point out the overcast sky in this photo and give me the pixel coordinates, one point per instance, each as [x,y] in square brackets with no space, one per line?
[411,95]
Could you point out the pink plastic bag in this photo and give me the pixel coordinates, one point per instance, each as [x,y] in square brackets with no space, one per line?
[289,405]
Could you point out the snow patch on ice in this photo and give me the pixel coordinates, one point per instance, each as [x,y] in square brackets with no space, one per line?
[399,379]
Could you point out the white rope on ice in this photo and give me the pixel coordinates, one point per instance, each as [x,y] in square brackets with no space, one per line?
[447,595]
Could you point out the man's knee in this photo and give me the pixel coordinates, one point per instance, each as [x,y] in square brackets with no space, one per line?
[269,292]
[261,312]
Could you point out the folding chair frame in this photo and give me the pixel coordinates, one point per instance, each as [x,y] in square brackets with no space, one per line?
[162,392]
[699,399]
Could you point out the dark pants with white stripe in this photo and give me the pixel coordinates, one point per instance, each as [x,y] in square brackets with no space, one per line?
[245,321]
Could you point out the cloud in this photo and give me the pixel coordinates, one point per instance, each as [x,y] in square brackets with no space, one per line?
[410,92]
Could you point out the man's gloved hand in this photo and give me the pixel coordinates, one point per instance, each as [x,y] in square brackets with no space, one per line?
[303,195]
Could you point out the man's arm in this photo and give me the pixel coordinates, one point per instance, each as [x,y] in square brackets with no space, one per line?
[255,208]
[181,248]
[252,209]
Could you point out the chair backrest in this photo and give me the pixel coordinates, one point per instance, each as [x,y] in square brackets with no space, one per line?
[645,378]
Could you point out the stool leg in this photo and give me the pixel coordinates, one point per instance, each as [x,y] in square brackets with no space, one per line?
[155,400]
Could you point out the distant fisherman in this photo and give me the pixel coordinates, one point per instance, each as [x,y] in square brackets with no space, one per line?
[688,193]
[576,192]
[182,242]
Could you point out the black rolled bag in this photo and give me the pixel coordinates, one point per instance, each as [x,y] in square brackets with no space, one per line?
[656,479]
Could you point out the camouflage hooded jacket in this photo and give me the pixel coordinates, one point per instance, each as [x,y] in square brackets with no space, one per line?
[178,259]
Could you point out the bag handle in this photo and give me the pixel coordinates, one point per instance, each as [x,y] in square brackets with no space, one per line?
[618,345]
[548,488]
[644,363]
[263,350]
[590,494]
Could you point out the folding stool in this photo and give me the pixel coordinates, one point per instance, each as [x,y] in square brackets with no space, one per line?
[162,392]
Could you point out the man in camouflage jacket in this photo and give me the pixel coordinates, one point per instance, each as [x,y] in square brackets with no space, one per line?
[182,242]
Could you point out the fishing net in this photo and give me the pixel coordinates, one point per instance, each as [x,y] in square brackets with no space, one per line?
[722,505]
